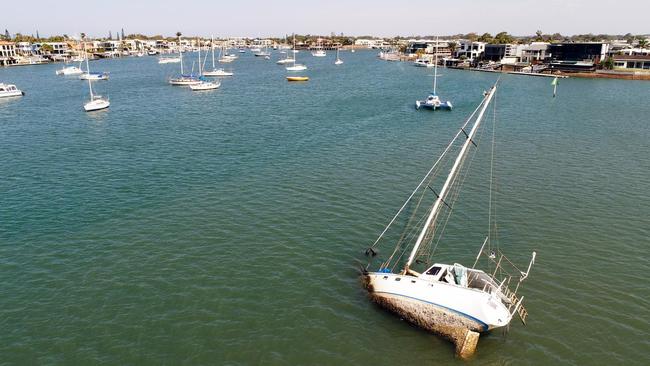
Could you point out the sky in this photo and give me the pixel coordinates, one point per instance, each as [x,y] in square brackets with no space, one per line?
[260,18]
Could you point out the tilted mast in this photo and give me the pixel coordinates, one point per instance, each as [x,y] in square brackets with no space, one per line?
[429,224]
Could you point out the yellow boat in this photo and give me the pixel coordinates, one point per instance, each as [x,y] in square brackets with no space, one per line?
[297,78]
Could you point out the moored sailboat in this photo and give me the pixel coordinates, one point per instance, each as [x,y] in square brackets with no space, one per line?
[216,71]
[203,84]
[295,66]
[455,301]
[96,101]
[183,79]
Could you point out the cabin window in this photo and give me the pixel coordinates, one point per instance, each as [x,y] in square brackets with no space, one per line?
[433,271]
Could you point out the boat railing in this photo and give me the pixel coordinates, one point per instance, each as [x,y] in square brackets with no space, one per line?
[508,277]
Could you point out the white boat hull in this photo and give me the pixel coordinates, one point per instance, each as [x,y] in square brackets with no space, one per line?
[96,105]
[86,76]
[13,93]
[184,81]
[205,86]
[296,68]
[437,306]
[169,60]
[72,70]
[217,73]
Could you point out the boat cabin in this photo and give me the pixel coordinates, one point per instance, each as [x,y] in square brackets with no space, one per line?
[460,275]
[8,88]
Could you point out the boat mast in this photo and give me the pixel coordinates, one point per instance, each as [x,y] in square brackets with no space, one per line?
[435,67]
[429,224]
[90,85]
[180,54]
[212,45]
[198,40]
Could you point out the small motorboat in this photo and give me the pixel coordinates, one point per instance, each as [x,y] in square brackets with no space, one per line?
[205,85]
[423,63]
[433,102]
[297,78]
[10,90]
[69,70]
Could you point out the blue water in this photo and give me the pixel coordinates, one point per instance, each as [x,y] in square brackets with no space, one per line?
[226,227]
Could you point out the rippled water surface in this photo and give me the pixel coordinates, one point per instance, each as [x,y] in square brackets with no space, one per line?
[225,227]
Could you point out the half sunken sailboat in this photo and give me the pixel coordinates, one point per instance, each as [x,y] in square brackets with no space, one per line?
[452,300]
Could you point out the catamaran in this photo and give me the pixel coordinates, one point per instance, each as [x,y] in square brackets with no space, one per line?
[455,301]
[184,79]
[433,102]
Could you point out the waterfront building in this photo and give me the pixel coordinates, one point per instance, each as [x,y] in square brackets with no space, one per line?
[428,47]
[632,62]
[7,53]
[471,50]
[635,52]
[584,51]
[535,52]
[369,43]
[504,53]
[572,57]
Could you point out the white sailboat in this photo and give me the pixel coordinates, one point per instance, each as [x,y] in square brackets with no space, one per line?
[433,102]
[287,59]
[203,84]
[216,71]
[170,59]
[294,66]
[183,79]
[96,101]
[338,60]
[455,301]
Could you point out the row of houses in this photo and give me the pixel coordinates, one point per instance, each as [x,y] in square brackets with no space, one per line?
[567,57]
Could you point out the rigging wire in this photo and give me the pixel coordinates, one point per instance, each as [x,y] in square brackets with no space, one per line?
[444,153]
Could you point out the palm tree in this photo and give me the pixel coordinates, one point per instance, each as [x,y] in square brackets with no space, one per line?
[178,34]
[643,43]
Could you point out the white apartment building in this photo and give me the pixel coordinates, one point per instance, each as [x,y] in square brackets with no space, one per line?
[470,49]
[7,53]
[534,52]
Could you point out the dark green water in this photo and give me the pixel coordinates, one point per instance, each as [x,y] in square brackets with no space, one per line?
[224,227]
